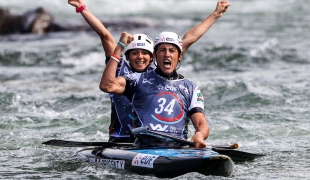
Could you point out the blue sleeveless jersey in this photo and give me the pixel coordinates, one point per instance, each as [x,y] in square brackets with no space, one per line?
[163,105]
[121,107]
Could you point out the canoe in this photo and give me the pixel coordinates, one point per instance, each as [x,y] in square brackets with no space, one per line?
[162,162]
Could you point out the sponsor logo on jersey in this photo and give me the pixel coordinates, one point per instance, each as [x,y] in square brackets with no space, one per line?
[184,89]
[117,164]
[167,87]
[199,97]
[165,128]
[158,127]
[149,81]
[144,160]
[173,130]
[170,88]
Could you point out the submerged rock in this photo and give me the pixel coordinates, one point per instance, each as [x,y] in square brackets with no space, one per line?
[40,21]
[35,21]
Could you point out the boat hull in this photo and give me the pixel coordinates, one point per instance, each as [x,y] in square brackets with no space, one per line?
[163,163]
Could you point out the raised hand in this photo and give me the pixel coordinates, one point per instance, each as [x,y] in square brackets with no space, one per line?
[126,38]
[76,3]
[222,6]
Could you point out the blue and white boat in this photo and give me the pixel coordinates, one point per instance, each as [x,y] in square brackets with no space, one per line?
[162,162]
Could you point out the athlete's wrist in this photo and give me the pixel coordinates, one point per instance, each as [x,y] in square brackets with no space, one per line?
[119,48]
[80,8]
[121,44]
[216,14]
[199,133]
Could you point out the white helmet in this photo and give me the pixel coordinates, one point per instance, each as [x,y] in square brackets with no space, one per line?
[169,37]
[141,41]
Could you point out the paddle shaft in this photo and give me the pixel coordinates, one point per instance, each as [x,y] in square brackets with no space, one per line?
[63,143]
[145,130]
[222,149]
[140,130]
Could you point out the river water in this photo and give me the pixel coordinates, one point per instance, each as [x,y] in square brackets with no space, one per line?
[252,67]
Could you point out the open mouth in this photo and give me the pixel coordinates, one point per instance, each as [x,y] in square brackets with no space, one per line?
[139,63]
[167,63]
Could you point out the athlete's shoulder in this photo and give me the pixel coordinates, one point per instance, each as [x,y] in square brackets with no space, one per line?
[189,81]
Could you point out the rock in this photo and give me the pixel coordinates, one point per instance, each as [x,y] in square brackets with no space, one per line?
[35,21]
[39,21]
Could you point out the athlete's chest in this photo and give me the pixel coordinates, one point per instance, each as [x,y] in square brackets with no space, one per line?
[158,86]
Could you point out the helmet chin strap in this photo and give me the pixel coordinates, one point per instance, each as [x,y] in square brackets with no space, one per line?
[128,62]
[178,65]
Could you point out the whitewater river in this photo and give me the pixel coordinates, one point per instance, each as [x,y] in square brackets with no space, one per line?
[252,66]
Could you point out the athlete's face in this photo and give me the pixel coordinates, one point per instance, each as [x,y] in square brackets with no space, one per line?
[167,57]
[139,59]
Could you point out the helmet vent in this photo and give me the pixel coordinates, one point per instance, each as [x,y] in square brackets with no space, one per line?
[139,37]
[148,41]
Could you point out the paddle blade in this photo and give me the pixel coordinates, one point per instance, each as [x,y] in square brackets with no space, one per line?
[237,156]
[63,143]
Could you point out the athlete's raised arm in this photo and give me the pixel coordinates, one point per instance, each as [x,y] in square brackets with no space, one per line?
[107,40]
[109,82]
[195,33]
